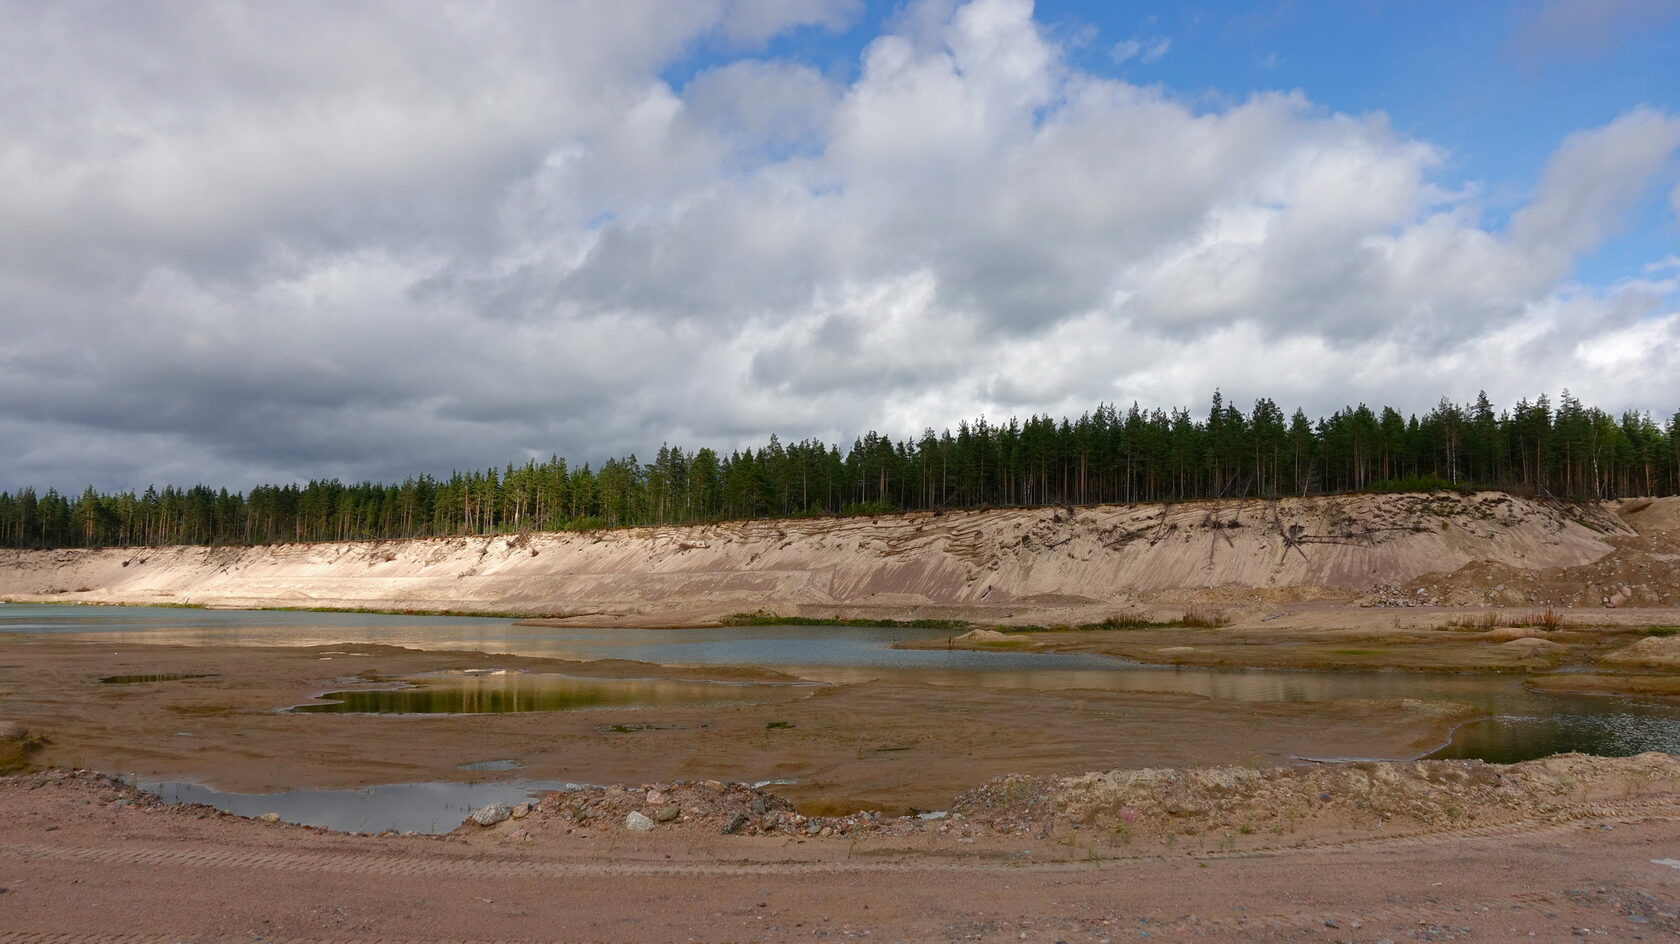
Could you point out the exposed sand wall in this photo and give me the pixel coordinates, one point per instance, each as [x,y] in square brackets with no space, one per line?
[970,563]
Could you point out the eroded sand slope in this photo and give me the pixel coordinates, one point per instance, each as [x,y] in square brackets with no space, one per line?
[970,564]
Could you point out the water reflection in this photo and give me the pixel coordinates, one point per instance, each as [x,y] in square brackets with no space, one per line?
[511,692]
[1533,722]
[421,807]
[139,679]
[1629,729]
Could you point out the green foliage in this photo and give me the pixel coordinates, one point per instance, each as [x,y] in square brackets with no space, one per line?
[1192,619]
[1412,483]
[1105,455]
[765,618]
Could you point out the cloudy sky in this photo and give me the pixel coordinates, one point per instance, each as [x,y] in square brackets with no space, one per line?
[271,241]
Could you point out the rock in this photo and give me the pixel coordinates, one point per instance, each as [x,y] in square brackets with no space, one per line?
[270,817]
[521,811]
[715,786]
[12,731]
[757,805]
[735,824]
[491,815]
[655,798]
[637,822]
[667,813]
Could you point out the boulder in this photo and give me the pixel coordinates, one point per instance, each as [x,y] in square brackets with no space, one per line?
[491,815]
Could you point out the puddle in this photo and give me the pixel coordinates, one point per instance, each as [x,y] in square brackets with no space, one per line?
[137,679]
[491,765]
[513,692]
[421,807]
[1508,739]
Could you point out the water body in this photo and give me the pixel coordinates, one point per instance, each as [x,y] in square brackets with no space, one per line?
[1523,724]
[420,807]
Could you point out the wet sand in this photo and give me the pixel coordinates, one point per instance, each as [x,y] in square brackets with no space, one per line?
[868,745]
[1336,636]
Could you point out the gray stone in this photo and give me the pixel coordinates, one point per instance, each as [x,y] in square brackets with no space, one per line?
[666,813]
[491,815]
[637,822]
[735,824]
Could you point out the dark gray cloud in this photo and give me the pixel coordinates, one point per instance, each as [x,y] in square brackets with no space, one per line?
[255,242]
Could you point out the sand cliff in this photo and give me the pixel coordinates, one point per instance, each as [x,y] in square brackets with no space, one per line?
[968,564]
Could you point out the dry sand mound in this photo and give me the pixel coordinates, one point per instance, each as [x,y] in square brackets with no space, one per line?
[1642,569]
[1653,653]
[973,564]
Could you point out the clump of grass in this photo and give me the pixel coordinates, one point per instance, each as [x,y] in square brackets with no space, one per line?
[766,618]
[1480,622]
[1192,619]
[1661,631]
[1548,620]
[14,753]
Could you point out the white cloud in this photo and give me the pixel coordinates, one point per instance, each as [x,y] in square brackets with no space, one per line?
[364,241]
[1143,49]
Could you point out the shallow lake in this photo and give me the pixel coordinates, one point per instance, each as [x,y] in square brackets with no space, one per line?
[1523,723]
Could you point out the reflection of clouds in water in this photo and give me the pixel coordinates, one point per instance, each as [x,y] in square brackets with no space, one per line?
[422,807]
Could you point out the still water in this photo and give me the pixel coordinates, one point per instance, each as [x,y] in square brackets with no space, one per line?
[420,807]
[1521,723]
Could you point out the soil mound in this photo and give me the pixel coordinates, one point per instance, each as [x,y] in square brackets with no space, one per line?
[1164,806]
[1042,563]
[1640,569]
[1652,653]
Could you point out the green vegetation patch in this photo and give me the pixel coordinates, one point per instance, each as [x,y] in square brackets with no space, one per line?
[1190,620]
[763,618]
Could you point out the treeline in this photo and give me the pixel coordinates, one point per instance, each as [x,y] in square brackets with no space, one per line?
[1107,455]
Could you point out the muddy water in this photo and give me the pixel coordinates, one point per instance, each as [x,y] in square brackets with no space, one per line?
[1522,723]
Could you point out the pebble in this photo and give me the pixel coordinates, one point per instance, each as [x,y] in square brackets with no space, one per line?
[735,824]
[521,811]
[638,822]
[667,813]
[270,817]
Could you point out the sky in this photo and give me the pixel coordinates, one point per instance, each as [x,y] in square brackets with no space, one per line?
[250,242]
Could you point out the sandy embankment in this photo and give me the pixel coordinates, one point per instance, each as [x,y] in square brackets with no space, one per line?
[1028,565]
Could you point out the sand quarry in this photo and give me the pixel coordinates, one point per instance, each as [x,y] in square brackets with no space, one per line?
[1196,825]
